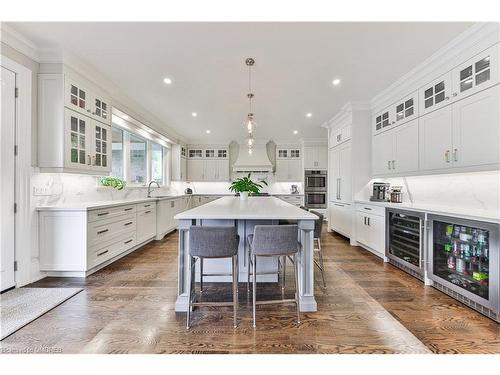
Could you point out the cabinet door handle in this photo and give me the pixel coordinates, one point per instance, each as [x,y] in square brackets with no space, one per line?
[129,241]
[364,217]
[128,209]
[147,212]
[367,208]
[103,231]
[447,156]
[129,223]
[147,205]
[455,154]
[368,219]
[394,164]
[103,214]
[388,164]
[340,205]
[454,94]
[104,252]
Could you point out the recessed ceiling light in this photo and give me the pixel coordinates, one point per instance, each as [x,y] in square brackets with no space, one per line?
[194,114]
[167,80]
[295,132]
[309,114]
[336,82]
[207,131]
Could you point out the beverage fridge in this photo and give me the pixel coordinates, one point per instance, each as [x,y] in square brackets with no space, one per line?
[405,241]
[464,261]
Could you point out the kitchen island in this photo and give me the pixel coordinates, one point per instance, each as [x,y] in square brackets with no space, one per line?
[244,215]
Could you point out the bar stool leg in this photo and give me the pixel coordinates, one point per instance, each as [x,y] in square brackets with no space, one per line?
[254,273]
[190,291]
[296,274]
[201,275]
[235,289]
[321,262]
[283,270]
[248,271]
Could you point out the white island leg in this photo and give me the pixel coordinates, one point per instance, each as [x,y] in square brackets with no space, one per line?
[306,266]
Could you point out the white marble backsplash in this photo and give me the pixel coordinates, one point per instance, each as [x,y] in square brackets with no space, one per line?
[50,189]
[475,191]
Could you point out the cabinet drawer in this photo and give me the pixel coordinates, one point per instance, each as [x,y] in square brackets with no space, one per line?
[109,249]
[146,206]
[103,230]
[106,213]
[371,209]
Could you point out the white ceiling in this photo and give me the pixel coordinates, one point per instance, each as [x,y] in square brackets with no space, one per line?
[295,65]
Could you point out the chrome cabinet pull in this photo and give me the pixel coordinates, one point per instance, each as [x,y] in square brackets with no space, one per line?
[103,214]
[127,209]
[367,208]
[340,205]
[394,164]
[103,231]
[455,154]
[364,217]
[368,219]
[129,223]
[104,252]
[447,156]
[126,242]
[388,164]
[147,212]
[454,94]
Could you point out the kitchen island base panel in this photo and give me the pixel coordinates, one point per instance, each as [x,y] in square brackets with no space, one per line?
[267,264]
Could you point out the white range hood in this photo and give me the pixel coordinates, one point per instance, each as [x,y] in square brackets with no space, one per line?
[258,161]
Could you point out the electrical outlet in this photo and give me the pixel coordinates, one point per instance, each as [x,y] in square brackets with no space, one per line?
[41,190]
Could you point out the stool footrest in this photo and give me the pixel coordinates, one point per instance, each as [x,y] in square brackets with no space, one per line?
[272,302]
[212,304]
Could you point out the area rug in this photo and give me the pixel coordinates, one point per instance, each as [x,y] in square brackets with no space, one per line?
[21,306]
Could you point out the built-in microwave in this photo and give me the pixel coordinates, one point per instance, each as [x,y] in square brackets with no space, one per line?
[315,181]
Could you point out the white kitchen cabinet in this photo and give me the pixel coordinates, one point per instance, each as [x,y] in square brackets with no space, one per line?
[223,170]
[383,120]
[179,163]
[295,199]
[464,134]
[340,218]
[476,129]
[340,174]
[210,169]
[146,222]
[370,228]
[288,164]
[476,74]
[436,139]
[196,169]
[435,94]
[316,157]
[406,109]
[80,98]
[396,151]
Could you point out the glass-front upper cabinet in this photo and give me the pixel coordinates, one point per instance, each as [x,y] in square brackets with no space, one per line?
[295,153]
[77,97]
[77,140]
[406,109]
[100,157]
[435,94]
[101,110]
[282,153]
[195,153]
[383,120]
[477,73]
[210,153]
[221,153]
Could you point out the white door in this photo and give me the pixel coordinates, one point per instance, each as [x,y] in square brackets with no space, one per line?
[334,174]
[322,157]
[223,170]
[362,235]
[435,139]
[406,148]
[376,233]
[435,94]
[382,153]
[345,174]
[7,168]
[78,138]
[476,129]
[210,173]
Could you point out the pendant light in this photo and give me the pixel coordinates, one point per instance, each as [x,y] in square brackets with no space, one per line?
[250,123]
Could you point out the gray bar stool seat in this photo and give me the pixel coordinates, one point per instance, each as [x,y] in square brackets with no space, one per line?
[212,242]
[270,241]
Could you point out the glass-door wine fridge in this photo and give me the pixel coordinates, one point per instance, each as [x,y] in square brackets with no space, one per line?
[405,241]
[464,261]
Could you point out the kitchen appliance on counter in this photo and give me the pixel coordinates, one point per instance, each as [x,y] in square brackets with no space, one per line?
[380,192]
[315,189]
[396,194]
[294,189]
[188,191]
[315,181]
[464,261]
[405,241]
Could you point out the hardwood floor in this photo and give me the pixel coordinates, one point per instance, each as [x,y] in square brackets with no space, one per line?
[367,307]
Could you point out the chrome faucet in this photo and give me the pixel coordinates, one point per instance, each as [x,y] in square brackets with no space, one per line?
[149,187]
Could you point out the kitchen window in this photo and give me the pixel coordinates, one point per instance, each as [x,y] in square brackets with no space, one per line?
[135,158]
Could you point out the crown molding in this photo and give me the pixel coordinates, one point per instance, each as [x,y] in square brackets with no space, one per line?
[346,112]
[19,42]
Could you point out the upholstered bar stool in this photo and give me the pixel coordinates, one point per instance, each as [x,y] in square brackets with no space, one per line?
[212,242]
[273,241]
[318,227]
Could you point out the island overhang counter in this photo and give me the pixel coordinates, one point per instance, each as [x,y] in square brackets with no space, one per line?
[244,215]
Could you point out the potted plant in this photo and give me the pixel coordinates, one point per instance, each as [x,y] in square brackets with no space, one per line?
[245,185]
[114,182]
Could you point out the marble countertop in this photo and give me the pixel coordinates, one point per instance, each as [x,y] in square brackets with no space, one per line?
[470,214]
[256,208]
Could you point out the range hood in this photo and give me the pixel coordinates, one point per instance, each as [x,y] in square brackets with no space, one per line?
[258,161]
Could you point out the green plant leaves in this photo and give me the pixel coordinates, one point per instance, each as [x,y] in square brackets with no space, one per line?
[114,182]
[245,184]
